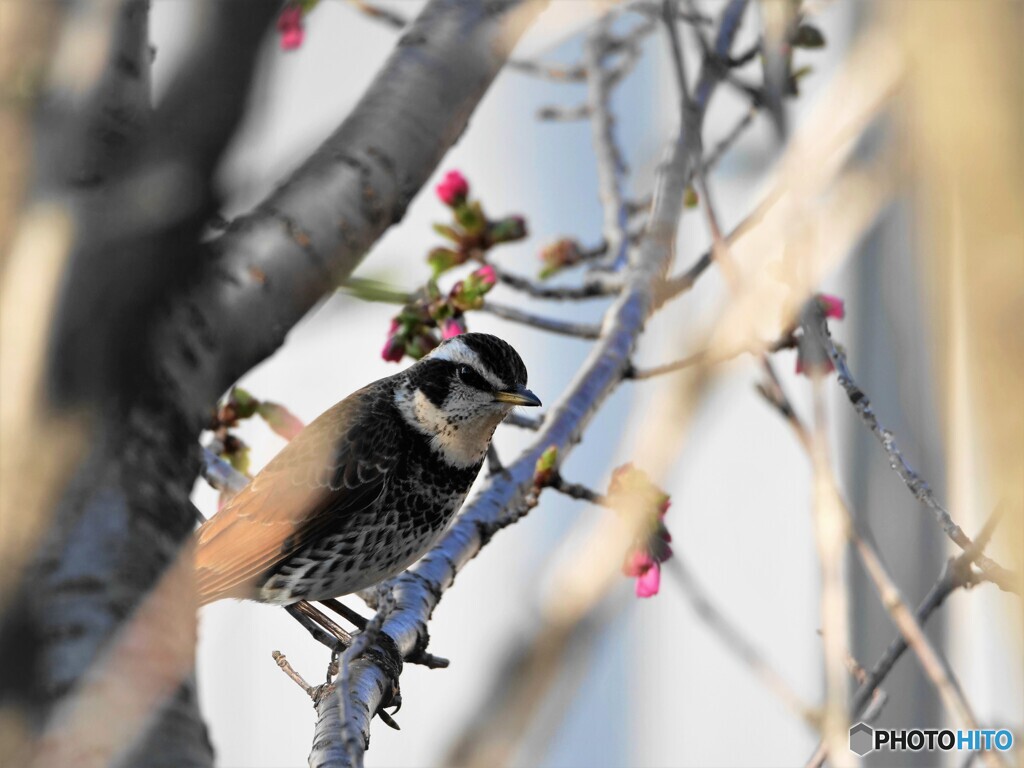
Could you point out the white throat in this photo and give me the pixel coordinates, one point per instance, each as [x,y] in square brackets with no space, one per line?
[460,435]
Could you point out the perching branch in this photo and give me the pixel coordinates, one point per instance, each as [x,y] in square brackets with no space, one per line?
[503,499]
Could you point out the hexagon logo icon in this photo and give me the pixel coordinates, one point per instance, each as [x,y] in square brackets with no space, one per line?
[862,739]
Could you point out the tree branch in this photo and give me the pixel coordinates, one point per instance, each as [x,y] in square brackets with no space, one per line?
[554,325]
[595,285]
[505,497]
[1004,578]
[611,167]
[271,266]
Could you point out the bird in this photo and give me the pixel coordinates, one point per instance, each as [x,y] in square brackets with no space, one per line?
[369,486]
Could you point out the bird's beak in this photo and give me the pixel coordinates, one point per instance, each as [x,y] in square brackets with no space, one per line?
[520,396]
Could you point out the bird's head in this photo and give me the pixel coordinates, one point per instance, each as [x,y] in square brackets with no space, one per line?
[459,393]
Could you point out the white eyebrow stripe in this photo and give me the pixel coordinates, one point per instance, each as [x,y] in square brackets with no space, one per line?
[457,351]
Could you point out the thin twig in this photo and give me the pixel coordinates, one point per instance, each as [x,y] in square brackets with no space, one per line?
[287,668]
[1004,578]
[554,325]
[611,167]
[878,698]
[935,666]
[910,627]
[638,374]
[552,113]
[595,285]
[576,490]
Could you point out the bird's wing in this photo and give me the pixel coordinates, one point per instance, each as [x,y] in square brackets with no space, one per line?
[337,466]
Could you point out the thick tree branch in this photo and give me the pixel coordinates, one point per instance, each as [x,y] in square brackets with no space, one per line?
[270,267]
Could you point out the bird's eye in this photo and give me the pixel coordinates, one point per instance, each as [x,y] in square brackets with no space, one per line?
[471,378]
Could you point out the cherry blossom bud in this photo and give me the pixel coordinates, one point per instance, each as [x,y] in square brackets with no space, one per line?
[559,255]
[289,27]
[393,350]
[453,189]
[487,276]
[649,582]
[452,327]
[638,562]
[832,306]
[544,469]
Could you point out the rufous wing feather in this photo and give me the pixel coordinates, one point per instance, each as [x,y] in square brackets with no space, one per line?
[321,474]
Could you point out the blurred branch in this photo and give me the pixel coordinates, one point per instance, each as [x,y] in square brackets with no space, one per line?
[120,110]
[118,527]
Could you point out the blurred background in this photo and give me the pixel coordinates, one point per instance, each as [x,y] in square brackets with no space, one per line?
[652,686]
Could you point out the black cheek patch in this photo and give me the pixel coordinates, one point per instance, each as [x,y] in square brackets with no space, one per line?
[436,390]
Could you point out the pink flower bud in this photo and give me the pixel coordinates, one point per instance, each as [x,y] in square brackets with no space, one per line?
[452,327]
[393,350]
[487,276]
[453,188]
[649,582]
[832,306]
[289,27]
[638,562]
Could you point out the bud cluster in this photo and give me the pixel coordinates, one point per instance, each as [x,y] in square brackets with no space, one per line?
[434,315]
[238,406]
[631,492]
